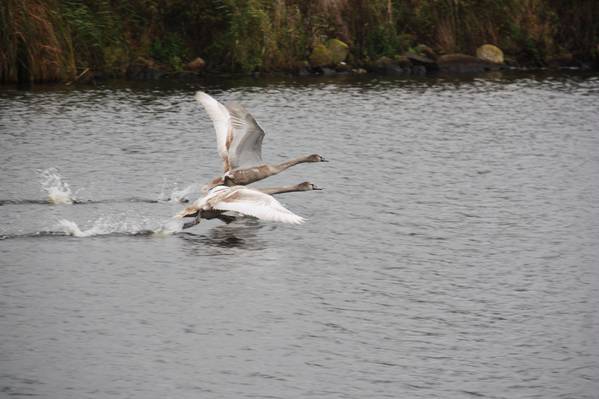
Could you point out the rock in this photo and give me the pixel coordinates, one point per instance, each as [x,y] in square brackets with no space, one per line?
[462,63]
[426,51]
[320,56]
[491,53]
[145,69]
[402,61]
[394,69]
[418,70]
[419,59]
[338,50]
[342,67]
[359,71]
[196,65]
[381,64]
[303,71]
[564,60]
[328,71]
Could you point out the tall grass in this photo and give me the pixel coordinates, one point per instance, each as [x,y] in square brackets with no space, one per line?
[35,43]
[44,40]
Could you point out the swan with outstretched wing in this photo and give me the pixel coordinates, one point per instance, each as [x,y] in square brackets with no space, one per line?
[239,199]
[239,142]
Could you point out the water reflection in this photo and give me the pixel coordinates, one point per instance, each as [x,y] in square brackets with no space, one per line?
[241,234]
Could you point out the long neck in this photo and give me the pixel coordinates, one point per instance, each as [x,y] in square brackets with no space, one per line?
[282,189]
[287,164]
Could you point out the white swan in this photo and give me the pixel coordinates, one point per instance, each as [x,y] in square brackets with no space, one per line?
[238,199]
[239,143]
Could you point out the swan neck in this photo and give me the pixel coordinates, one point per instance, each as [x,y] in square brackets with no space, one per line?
[292,162]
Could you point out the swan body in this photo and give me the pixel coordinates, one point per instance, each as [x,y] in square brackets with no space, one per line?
[242,200]
[243,177]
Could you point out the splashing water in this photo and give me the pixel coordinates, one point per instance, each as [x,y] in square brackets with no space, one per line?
[170,227]
[105,226]
[102,226]
[184,194]
[58,191]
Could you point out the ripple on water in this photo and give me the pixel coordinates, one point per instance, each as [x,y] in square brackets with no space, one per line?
[452,253]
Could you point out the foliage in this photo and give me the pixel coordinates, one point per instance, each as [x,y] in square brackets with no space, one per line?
[54,39]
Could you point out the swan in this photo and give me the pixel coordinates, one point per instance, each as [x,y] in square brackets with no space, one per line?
[239,143]
[240,199]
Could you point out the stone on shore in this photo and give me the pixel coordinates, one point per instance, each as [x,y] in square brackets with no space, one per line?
[320,56]
[462,63]
[491,53]
[338,50]
[195,65]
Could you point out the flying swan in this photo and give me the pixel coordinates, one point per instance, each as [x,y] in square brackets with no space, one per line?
[239,143]
[240,199]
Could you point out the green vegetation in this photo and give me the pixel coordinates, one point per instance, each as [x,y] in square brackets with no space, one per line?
[45,40]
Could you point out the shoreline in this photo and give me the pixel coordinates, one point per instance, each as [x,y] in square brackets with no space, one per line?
[219,78]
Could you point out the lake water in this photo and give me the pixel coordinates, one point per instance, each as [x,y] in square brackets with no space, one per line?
[453,252]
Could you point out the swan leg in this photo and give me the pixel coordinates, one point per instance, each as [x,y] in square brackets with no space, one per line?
[227,219]
[192,223]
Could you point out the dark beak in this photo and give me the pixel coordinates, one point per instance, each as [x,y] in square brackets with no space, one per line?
[323,160]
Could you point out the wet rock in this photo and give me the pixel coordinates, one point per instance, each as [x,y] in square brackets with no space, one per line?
[564,60]
[419,59]
[359,71]
[462,63]
[320,56]
[342,67]
[338,50]
[491,53]
[328,71]
[303,71]
[145,69]
[418,70]
[402,61]
[426,51]
[196,65]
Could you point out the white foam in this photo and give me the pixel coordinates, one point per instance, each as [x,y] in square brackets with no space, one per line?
[181,195]
[101,226]
[58,191]
[172,226]
[104,226]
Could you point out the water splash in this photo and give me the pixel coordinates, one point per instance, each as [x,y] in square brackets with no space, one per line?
[58,190]
[103,226]
[111,226]
[184,194]
[171,227]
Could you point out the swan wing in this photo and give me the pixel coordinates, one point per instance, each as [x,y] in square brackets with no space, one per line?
[246,147]
[221,119]
[255,203]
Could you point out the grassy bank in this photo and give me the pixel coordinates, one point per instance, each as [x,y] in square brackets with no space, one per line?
[45,40]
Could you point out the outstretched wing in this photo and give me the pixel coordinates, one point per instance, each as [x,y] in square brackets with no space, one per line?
[222,122]
[254,203]
[245,150]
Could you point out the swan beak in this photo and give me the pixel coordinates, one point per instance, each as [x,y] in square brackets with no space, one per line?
[187,212]
[323,160]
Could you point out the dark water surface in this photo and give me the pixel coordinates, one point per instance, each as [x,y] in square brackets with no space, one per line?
[452,254]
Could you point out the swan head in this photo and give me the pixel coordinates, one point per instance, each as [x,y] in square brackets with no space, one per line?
[307,186]
[316,158]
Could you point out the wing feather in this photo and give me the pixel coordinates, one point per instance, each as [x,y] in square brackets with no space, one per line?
[255,203]
[246,148]
[221,119]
